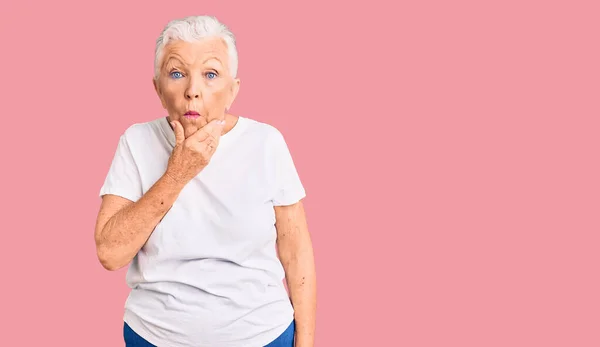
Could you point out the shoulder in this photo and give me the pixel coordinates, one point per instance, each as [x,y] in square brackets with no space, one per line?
[271,135]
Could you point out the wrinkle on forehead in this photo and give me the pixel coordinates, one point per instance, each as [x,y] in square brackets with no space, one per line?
[213,48]
[173,57]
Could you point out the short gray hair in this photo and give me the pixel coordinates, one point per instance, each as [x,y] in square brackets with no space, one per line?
[194,28]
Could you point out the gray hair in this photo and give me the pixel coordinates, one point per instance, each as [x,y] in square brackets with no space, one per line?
[195,28]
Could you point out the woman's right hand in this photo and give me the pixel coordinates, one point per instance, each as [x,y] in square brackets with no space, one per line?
[193,154]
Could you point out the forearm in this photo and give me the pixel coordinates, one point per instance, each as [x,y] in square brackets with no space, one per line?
[301,281]
[127,231]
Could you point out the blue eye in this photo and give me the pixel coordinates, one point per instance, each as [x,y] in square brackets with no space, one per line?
[211,73]
[176,74]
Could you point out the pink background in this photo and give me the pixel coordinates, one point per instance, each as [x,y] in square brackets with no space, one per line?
[449,151]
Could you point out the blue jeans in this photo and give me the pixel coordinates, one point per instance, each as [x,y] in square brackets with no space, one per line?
[132,339]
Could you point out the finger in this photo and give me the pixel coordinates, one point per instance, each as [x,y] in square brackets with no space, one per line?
[207,147]
[212,129]
[211,146]
[178,129]
[200,136]
[216,131]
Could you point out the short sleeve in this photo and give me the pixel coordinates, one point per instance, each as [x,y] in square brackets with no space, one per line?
[288,186]
[123,178]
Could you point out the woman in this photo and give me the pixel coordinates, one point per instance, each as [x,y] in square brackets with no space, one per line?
[206,209]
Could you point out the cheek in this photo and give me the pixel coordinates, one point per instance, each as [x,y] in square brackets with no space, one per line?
[216,99]
[171,95]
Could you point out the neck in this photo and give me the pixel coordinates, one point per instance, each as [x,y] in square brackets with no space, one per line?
[230,122]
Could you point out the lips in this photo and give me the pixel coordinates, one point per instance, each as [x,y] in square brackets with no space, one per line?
[191,115]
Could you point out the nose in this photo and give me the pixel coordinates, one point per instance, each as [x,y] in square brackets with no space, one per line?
[193,90]
[191,95]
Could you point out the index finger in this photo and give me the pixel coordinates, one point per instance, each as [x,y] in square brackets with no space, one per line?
[213,128]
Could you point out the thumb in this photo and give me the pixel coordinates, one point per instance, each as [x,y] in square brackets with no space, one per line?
[179,135]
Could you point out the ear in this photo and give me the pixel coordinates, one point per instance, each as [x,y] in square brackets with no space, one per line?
[158,92]
[235,88]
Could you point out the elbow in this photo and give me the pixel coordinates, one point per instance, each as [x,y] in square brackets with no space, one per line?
[108,260]
[110,266]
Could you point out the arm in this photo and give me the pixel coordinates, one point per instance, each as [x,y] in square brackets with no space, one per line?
[123,226]
[296,254]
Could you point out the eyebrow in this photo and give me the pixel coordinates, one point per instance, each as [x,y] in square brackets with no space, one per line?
[172,58]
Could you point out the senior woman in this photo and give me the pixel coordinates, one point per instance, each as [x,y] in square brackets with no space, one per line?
[206,209]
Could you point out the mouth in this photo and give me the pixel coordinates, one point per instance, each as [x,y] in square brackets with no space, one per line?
[191,115]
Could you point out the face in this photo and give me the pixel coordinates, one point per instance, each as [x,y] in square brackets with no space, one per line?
[194,85]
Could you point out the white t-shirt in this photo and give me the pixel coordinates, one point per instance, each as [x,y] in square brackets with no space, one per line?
[209,274]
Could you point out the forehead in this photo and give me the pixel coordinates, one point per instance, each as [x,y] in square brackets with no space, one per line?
[192,53]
